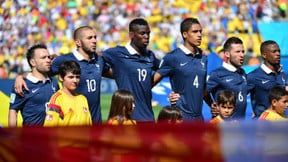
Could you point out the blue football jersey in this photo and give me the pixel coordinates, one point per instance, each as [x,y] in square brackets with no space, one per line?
[133,72]
[260,81]
[90,80]
[33,105]
[230,78]
[187,74]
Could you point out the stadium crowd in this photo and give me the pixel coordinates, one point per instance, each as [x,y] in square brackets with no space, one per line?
[26,22]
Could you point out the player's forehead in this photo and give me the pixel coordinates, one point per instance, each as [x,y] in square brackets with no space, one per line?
[141,28]
[88,33]
[195,27]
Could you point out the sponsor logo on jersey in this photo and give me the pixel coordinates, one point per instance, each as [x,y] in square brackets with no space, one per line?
[229,80]
[265,81]
[183,64]
[35,90]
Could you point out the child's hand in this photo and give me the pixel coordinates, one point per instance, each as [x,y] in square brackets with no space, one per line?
[214,109]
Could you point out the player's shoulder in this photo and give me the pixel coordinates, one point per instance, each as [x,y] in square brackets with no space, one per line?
[173,54]
[115,49]
[64,57]
[219,71]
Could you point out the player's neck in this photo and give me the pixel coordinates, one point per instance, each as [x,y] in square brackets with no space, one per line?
[274,68]
[85,55]
[140,51]
[39,75]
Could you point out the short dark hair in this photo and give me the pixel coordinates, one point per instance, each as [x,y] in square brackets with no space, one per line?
[77,32]
[31,51]
[69,66]
[168,113]
[226,96]
[230,41]
[187,23]
[135,22]
[276,93]
[265,44]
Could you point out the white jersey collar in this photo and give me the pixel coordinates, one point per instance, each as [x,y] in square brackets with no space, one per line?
[33,79]
[130,49]
[266,69]
[229,67]
[187,51]
[78,56]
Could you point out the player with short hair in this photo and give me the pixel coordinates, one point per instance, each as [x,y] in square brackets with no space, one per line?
[92,68]
[231,76]
[132,67]
[33,105]
[268,75]
[186,67]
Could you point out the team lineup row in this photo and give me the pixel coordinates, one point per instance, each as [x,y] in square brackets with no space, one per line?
[132,67]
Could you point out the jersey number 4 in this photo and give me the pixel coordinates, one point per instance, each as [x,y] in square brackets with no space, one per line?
[196,82]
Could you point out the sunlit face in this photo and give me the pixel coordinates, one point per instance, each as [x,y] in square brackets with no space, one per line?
[281,105]
[88,41]
[271,54]
[70,81]
[140,37]
[236,55]
[226,110]
[194,35]
[41,61]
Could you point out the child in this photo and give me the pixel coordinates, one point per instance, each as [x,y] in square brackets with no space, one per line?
[122,106]
[278,99]
[171,115]
[67,107]
[226,103]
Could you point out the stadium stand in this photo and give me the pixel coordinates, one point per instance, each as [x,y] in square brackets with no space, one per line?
[25,22]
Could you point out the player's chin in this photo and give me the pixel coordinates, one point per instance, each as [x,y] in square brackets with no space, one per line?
[145,44]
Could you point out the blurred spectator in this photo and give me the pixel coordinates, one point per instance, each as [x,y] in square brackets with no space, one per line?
[25,22]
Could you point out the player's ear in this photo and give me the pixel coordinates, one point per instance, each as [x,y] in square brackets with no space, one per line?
[264,55]
[131,35]
[184,35]
[78,43]
[227,54]
[32,62]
